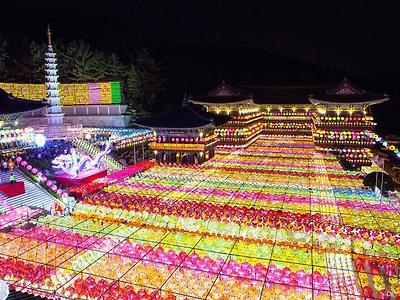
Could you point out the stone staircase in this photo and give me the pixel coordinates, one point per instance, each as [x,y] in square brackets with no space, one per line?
[109,162]
[34,196]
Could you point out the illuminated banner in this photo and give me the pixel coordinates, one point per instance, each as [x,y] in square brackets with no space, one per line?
[6,86]
[115,92]
[105,92]
[81,93]
[170,146]
[38,90]
[71,93]
[94,93]
[67,92]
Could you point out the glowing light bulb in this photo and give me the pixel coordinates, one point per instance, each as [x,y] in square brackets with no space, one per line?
[40,140]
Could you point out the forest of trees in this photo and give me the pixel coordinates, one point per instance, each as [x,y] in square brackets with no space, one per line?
[190,69]
[23,61]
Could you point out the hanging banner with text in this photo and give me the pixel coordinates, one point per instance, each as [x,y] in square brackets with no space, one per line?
[70,93]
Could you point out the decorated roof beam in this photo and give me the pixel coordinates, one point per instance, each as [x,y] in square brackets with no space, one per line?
[225,94]
[347,94]
[227,99]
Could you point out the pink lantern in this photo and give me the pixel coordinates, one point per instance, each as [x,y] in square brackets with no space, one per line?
[39,174]
[43,179]
[64,195]
[18,159]
[29,167]
[24,163]
[59,191]
[49,184]
[34,171]
[54,188]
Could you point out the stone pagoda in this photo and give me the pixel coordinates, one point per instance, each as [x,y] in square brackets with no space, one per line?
[55,116]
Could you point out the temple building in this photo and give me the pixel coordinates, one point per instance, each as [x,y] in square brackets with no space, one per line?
[13,139]
[258,110]
[337,117]
[183,135]
[342,123]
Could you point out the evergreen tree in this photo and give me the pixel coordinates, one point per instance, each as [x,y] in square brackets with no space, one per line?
[26,64]
[64,64]
[80,63]
[74,62]
[38,62]
[115,69]
[3,58]
[21,62]
[150,79]
[98,66]
[133,92]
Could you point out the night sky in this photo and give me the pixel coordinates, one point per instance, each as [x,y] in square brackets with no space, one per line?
[357,39]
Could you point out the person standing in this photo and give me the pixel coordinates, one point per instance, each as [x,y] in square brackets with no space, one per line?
[11,164]
[12,178]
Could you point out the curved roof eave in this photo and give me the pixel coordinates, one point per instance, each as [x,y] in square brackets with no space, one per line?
[169,128]
[372,102]
[249,101]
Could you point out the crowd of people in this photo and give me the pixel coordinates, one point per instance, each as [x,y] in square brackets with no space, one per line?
[41,158]
[7,165]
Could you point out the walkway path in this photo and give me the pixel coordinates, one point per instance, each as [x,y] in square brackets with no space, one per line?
[34,196]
